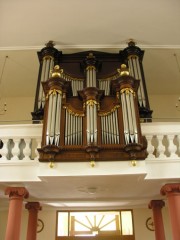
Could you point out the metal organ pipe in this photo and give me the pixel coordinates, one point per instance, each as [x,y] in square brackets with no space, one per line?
[49,119]
[116,126]
[134,69]
[129,117]
[47,66]
[104,85]
[88,124]
[54,118]
[73,129]
[125,118]
[91,76]
[91,111]
[77,84]
[141,89]
[52,124]
[91,107]
[95,123]
[110,128]
[58,118]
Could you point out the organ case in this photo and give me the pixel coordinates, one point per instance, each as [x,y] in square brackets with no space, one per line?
[88,119]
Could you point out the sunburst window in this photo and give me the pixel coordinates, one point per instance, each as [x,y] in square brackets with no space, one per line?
[102,223]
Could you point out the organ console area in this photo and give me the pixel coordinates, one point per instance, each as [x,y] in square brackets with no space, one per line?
[91,104]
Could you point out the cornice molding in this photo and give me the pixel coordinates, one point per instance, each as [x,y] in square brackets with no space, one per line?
[88,47]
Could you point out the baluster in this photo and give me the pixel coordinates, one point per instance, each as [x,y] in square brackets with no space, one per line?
[178,145]
[27,149]
[161,147]
[16,149]
[150,147]
[172,148]
[4,151]
[38,144]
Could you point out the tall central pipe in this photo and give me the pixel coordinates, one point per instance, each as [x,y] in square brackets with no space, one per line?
[91,95]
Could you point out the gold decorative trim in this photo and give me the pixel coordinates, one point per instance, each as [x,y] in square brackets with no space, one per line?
[90,68]
[127,91]
[73,112]
[54,92]
[91,102]
[109,112]
[67,77]
[48,57]
[114,77]
[123,71]
[56,71]
[133,56]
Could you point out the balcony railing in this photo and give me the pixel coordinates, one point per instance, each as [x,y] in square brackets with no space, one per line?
[20,142]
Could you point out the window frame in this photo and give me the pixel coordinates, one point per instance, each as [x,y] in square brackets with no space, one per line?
[97,237]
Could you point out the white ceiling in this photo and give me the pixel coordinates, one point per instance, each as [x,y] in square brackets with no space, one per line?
[78,25]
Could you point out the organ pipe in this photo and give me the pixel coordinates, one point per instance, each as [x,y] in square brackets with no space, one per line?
[73,128]
[47,58]
[54,117]
[133,56]
[91,111]
[47,66]
[110,128]
[91,76]
[129,118]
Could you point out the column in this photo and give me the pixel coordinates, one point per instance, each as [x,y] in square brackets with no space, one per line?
[156,206]
[172,191]
[33,208]
[16,196]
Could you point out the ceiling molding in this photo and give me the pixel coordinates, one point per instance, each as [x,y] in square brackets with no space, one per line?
[84,47]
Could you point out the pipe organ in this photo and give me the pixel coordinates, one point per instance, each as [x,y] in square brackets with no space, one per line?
[48,57]
[91,110]
[133,56]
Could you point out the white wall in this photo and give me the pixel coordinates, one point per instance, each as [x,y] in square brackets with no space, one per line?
[141,232]
[49,219]
[18,109]
[164,107]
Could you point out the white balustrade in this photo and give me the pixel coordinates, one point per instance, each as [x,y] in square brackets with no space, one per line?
[27,149]
[4,150]
[161,139]
[150,147]
[37,145]
[16,149]
[160,150]
[172,148]
[21,141]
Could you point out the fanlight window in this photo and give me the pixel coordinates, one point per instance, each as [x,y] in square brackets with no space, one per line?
[109,223]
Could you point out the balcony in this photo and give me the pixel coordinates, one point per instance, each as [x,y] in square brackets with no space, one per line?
[22,140]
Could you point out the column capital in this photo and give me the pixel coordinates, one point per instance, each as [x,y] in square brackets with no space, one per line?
[156,204]
[17,192]
[33,206]
[170,189]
